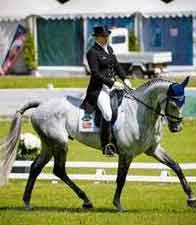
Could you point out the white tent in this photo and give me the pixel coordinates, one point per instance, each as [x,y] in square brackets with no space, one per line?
[12,10]
[122,8]
[176,8]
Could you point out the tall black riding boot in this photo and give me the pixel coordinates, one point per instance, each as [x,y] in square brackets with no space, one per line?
[106,136]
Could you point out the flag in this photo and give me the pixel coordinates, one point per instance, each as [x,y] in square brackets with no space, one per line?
[14,50]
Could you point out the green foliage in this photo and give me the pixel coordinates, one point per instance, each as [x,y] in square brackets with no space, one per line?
[26,154]
[29,53]
[29,146]
[134,44]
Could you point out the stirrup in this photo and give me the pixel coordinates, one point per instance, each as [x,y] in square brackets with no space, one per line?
[109,150]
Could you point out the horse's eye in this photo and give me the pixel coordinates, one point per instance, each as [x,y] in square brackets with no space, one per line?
[173,104]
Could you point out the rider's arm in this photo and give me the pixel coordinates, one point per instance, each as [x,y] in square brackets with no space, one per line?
[94,67]
[119,70]
[121,73]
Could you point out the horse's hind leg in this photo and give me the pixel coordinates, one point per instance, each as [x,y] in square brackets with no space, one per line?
[35,170]
[163,157]
[59,170]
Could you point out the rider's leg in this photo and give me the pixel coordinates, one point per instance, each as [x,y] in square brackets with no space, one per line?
[103,103]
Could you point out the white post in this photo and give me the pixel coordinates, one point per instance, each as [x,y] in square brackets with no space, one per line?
[32,25]
[85,30]
[194,41]
[136,24]
[35,38]
[138,28]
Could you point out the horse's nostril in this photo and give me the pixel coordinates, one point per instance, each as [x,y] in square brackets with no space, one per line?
[176,128]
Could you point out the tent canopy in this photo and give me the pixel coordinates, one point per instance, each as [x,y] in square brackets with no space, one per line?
[17,10]
[121,8]
[51,9]
[176,8]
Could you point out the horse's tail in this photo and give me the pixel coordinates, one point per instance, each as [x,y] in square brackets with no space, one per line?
[7,147]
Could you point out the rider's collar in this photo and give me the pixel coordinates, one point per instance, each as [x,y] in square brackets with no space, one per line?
[105,47]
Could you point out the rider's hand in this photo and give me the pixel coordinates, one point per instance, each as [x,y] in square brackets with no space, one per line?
[128,83]
[118,85]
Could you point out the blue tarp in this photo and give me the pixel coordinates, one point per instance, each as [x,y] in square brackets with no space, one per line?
[60,42]
[170,34]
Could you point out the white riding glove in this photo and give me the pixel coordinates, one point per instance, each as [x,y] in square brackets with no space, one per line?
[118,85]
[128,83]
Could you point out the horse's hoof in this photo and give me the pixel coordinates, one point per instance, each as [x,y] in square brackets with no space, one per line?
[191,202]
[27,207]
[87,205]
[119,207]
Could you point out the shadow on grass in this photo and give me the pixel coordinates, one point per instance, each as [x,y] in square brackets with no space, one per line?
[58,209]
[96,210]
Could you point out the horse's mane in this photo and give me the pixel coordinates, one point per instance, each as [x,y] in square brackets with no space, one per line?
[152,82]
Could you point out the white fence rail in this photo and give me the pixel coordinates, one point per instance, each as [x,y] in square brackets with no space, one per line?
[100,173]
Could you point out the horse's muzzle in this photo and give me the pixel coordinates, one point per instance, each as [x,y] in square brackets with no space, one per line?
[174,126]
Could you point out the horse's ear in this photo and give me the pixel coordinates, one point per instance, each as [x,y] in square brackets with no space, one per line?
[185,82]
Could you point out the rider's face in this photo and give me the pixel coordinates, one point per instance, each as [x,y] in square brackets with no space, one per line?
[103,40]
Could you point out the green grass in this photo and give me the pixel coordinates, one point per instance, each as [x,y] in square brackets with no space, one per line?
[42,82]
[58,82]
[39,82]
[54,204]
[154,204]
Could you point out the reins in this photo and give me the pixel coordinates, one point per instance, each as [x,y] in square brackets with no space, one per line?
[129,94]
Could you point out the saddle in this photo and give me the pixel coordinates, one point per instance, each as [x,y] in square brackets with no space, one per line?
[116,97]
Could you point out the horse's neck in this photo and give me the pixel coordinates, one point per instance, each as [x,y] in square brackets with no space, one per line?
[152,96]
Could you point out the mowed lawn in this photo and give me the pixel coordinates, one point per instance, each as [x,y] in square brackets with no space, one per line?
[55,204]
[63,82]
[146,203]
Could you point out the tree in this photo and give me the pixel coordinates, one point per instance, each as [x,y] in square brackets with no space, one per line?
[29,53]
[134,44]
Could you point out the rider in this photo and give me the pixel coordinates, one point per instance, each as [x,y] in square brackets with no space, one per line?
[104,67]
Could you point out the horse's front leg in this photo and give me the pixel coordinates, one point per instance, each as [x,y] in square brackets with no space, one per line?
[123,166]
[163,157]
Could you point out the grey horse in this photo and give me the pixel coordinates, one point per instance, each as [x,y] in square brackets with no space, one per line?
[137,130]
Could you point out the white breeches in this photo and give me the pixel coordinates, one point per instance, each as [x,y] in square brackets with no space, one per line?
[103,102]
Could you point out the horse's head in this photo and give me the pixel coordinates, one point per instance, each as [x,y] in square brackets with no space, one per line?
[174,103]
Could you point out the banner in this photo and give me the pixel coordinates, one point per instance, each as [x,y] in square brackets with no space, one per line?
[14,50]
